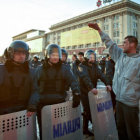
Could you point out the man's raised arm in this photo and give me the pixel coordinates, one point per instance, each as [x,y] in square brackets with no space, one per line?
[114,50]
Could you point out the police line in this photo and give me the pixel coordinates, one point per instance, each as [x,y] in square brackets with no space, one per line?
[62,122]
[59,121]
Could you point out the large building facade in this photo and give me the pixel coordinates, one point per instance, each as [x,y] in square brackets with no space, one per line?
[36,40]
[118,20]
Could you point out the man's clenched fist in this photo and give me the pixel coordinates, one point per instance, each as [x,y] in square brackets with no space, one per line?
[94,26]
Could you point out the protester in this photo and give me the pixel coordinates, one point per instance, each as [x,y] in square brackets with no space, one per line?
[126,84]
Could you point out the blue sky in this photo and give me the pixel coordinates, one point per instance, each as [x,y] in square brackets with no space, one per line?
[17,16]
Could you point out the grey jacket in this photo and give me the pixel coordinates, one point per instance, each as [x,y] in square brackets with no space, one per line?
[126,81]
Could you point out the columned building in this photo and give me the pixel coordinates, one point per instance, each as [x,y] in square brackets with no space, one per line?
[118,20]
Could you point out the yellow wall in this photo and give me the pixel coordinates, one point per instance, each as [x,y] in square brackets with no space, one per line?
[84,35]
[35,45]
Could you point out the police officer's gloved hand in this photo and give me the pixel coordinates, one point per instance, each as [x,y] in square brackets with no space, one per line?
[76,100]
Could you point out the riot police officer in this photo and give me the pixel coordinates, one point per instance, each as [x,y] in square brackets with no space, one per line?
[89,73]
[64,58]
[35,62]
[17,91]
[53,78]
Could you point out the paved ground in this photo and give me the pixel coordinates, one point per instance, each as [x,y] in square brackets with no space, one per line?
[87,138]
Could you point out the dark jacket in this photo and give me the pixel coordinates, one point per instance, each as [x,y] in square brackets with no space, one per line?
[102,65]
[53,81]
[17,90]
[35,64]
[88,76]
[67,64]
[75,68]
[109,70]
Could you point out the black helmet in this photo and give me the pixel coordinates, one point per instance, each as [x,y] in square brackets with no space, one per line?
[88,53]
[53,48]
[64,52]
[81,53]
[17,46]
[36,56]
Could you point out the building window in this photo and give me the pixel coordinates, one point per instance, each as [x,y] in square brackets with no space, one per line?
[74,47]
[68,29]
[80,46]
[134,25]
[116,25]
[94,44]
[117,41]
[116,34]
[106,19]
[54,38]
[68,47]
[88,45]
[58,38]
[48,37]
[80,26]
[97,44]
[116,17]
[134,17]
[73,28]
[97,21]
[64,30]
[59,33]
[106,27]
[135,33]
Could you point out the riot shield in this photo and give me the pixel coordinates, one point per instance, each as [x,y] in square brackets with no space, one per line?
[17,126]
[102,115]
[61,122]
[139,116]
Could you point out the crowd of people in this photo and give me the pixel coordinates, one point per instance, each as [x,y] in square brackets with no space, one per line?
[31,85]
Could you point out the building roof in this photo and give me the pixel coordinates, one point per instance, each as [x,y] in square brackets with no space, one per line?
[29,31]
[112,7]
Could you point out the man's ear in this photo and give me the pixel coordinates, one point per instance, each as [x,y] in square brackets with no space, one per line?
[133,45]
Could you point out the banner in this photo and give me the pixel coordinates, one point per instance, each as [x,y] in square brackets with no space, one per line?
[84,35]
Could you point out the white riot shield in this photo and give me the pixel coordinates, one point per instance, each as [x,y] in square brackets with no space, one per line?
[139,116]
[102,115]
[17,126]
[61,122]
